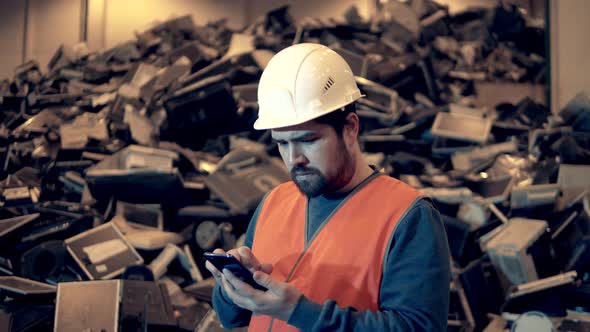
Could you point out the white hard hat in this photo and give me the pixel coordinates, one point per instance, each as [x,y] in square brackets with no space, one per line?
[303,82]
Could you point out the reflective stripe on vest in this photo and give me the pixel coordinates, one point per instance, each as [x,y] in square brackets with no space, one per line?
[344,261]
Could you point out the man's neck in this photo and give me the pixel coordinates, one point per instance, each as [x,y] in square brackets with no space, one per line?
[361,172]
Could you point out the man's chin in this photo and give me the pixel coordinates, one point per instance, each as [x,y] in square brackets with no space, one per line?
[310,188]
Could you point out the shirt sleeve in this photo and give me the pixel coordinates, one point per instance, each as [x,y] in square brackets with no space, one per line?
[230,315]
[414,294]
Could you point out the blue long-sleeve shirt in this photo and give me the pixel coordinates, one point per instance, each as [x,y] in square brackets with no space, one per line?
[414,293]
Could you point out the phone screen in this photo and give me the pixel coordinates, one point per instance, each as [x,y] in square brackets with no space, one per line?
[227,261]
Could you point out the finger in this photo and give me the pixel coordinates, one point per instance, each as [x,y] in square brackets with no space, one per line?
[230,291]
[227,285]
[238,285]
[266,268]
[248,259]
[235,295]
[271,284]
[236,254]
[211,267]
[214,271]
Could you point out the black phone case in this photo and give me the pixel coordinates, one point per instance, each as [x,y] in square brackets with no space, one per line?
[226,261]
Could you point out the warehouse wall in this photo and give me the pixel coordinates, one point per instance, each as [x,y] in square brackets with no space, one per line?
[34,29]
[535,7]
[302,8]
[123,18]
[12,29]
[119,19]
[50,23]
[570,49]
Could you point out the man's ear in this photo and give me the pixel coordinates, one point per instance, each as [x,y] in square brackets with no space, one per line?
[351,129]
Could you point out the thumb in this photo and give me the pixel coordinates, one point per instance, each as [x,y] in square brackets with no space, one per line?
[267,281]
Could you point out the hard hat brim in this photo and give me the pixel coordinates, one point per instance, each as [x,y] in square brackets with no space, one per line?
[261,124]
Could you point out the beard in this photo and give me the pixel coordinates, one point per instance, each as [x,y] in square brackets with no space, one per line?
[312,182]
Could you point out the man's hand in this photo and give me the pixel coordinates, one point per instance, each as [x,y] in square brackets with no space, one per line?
[245,256]
[278,301]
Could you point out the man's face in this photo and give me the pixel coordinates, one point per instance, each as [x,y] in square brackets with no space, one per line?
[316,156]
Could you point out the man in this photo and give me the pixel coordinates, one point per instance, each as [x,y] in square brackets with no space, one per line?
[341,247]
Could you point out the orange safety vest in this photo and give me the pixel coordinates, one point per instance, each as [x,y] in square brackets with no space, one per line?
[344,261]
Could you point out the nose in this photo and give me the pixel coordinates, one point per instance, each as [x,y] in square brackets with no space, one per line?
[295,156]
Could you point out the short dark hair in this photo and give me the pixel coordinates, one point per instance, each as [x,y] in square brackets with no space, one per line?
[337,119]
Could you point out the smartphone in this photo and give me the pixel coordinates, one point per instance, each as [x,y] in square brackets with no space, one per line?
[227,261]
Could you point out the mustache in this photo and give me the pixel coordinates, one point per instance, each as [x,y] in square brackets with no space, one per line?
[298,170]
